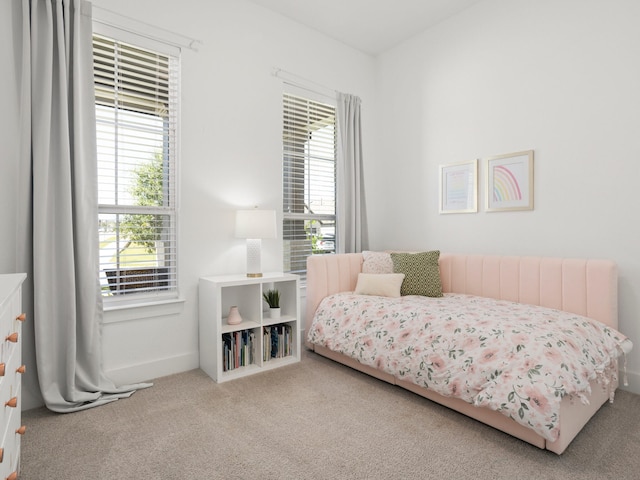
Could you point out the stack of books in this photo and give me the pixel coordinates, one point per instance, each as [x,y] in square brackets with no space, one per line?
[277,341]
[238,349]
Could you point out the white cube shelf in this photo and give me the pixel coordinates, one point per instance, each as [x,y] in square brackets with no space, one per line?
[246,351]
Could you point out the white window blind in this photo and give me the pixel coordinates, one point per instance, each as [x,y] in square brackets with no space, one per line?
[136,124]
[309,181]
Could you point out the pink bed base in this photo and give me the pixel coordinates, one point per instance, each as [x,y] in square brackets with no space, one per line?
[585,287]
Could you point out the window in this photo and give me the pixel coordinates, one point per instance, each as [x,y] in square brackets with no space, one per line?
[136,124]
[309,162]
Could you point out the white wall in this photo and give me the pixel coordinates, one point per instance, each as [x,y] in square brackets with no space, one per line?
[9,128]
[231,155]
[559,77]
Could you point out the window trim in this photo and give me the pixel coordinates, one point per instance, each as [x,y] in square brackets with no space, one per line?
[142,299]
[315,97]
[104,18]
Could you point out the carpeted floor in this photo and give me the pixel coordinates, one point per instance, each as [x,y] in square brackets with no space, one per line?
[312,420]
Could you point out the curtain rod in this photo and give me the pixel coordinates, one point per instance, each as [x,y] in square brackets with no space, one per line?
[304,83]
[153,32]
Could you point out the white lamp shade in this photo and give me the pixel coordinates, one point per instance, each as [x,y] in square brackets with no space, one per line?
[256,224]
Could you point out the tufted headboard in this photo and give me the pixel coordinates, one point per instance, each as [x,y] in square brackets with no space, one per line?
[583,286]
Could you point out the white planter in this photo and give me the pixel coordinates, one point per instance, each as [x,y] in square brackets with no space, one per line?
[274,313]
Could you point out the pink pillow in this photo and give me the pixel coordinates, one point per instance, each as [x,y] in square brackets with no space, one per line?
[377,262]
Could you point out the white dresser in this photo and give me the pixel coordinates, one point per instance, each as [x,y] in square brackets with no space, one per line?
[11,370]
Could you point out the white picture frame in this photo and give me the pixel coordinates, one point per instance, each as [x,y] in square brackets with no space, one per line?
[459,187]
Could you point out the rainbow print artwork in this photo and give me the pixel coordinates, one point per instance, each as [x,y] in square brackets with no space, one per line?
[510,182]
[505,185]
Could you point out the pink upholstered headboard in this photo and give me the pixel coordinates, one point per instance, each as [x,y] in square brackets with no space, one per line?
[585,287]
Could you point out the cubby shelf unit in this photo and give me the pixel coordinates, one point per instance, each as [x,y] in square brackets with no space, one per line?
[217,294]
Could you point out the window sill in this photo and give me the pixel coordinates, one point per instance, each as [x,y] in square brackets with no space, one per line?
[123,312]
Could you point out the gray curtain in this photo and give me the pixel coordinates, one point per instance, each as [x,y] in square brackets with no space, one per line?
[352,225]
[60,148]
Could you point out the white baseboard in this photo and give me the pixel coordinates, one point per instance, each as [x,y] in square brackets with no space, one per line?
[634,382]
[142,372]
[147,371]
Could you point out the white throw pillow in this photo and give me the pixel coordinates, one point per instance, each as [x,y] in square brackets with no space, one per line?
[382,284]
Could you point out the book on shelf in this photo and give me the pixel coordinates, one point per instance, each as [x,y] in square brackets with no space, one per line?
[238,349]
[277,341]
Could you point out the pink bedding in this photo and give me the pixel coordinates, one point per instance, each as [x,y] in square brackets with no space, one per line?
[517,359]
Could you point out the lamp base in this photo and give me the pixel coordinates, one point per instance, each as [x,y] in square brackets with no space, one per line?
[254,265]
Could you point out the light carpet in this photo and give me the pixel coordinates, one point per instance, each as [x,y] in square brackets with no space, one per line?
[312,420]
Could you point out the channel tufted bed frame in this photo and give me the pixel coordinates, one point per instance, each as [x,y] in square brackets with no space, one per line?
[584,287]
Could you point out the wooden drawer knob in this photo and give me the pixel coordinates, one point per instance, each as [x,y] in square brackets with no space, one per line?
[13,476]
[21,369]
[2,369]
[12,402]
[21,430]
[22,317]
[13,338]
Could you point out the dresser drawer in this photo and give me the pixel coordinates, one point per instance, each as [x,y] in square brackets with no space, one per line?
[10,334]
[10,382]
[9,390]
[11,443]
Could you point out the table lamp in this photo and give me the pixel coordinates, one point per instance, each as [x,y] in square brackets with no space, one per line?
[254,225]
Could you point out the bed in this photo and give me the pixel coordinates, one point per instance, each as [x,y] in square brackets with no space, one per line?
[345,308]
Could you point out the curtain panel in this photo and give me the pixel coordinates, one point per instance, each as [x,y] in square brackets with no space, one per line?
[59,146]
[351,212]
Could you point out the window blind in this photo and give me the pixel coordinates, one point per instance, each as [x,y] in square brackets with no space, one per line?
[309,181]
[136,93]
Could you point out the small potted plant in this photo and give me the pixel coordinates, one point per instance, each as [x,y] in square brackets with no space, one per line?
[272,297]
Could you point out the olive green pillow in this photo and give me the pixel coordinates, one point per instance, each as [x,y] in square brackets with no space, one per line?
[421,273]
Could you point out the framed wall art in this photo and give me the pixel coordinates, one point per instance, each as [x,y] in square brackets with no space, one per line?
[509,182]
[459,187]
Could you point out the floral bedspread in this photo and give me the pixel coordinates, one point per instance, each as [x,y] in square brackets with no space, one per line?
[517,359]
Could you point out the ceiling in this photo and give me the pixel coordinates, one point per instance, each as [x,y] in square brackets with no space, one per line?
[371,26]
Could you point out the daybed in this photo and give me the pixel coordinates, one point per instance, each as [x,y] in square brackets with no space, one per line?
[550,286]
